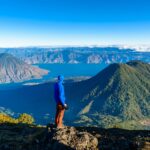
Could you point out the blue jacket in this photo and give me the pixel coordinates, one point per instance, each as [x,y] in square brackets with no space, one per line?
[59,93]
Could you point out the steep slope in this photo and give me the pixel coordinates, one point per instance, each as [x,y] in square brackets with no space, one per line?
[120,93]
[14,70]
[120,90]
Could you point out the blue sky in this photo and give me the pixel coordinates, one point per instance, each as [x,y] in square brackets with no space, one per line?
[74,22]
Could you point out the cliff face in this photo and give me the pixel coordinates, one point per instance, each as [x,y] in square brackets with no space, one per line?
[14,70]
[31,137]
[76,55]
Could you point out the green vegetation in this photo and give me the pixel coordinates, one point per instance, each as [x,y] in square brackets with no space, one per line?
[109,121]
[117,97]
[120,96]
[23,118]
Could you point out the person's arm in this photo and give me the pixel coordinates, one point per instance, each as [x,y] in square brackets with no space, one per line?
[61,94]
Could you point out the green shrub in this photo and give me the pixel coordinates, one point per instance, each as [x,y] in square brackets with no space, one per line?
[23,118]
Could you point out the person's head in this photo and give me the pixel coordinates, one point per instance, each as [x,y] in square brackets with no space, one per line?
[61,78]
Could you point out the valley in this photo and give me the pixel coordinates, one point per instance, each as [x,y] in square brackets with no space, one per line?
[113,97]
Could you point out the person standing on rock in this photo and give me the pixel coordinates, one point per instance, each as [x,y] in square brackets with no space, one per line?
[59,96]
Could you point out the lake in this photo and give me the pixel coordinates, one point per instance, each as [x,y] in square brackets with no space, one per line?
[71,70]
[20,98]
[68,70]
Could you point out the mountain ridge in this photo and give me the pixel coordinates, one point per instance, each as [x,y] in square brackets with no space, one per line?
[15,70]
[118,95]
[75,55]
[123,93]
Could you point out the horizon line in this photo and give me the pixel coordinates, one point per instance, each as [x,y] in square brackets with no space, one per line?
[84,45]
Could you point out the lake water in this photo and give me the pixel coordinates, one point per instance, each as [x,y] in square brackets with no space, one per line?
[28,99]
[71,70]
[68,70]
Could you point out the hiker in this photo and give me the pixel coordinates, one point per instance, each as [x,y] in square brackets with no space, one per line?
[59,96]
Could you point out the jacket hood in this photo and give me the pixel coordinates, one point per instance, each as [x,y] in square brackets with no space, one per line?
[60,78]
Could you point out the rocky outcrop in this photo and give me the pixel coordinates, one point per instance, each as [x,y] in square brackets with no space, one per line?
[25,137]
[13,69]
[72,138]
[31,137]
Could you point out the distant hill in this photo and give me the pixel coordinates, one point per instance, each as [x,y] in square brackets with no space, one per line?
[13,69]
[120,92]
[75,55]
[119,95]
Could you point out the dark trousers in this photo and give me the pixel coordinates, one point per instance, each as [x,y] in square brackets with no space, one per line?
[59,115]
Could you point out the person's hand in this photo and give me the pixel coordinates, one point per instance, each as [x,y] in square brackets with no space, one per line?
[66,107]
